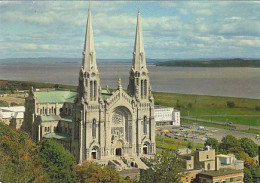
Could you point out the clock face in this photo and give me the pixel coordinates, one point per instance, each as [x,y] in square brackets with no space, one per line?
[93,75]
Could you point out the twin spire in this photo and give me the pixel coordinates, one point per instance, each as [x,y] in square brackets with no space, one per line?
[89,53]
[139,61]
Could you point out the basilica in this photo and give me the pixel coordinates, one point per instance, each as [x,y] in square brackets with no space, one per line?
[94,123]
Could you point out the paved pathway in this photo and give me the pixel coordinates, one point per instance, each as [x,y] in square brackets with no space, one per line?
[238,126]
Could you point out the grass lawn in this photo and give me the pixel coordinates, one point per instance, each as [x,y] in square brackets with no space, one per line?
[174,144]
[10,100]
[202,106]
[213,125]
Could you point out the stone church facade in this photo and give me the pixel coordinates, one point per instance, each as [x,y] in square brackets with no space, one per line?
[93,123]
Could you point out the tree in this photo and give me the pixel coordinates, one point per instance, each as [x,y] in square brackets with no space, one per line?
[13,104]
[213,143]
[189,105]
[257,107]
[58,163]
[230,144]
[18,162]
[166,167]
[248,178]
[230,104]
[249,146]
[90,172]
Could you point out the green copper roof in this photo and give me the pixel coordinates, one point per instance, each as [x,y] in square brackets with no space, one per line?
[50,118]
[62,96]
[106,95]
[58,136]
[55,96]
[66,118]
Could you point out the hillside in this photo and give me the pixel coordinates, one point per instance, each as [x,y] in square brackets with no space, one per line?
[237,62]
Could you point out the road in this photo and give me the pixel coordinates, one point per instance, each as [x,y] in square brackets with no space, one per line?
[238,126]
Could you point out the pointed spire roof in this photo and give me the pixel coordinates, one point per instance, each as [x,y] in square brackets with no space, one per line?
[139,53]
[89,53]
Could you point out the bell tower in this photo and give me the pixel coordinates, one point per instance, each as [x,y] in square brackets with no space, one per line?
[139,81]
[89,81]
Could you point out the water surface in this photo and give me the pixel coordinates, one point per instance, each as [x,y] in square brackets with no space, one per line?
[233,82]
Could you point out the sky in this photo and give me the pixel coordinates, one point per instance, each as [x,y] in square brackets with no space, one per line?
[171,29]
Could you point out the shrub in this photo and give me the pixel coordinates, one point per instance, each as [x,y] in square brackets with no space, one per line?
[257,107]
[230,104]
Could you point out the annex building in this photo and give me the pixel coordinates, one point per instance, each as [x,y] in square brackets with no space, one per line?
[93,123]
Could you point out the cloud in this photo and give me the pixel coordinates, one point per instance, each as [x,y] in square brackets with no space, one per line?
[170,29]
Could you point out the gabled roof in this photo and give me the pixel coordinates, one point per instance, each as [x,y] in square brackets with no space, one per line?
[55,96]
[58,136]
[50,118]
[13,109]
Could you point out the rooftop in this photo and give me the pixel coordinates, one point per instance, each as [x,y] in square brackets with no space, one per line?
[162,107]
[221,172]
[51,118]
[223,156]
[66,118]
[62,96]
[13,109]
[58,136]
[55,96]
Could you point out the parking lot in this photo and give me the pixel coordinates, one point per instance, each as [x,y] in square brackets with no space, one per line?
[199,134]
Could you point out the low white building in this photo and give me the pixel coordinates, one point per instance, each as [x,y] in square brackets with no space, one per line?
[12,116]
[166,116]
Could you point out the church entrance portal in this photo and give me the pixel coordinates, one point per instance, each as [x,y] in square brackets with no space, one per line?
[145,149]
[118,151]
[94,155]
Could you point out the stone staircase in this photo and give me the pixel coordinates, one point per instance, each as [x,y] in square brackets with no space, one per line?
[124,163]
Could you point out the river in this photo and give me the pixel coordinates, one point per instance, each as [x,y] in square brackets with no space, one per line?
[232,82]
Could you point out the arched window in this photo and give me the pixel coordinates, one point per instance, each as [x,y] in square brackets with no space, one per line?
[91,90]
[145,125]
[94,128]
[145,88]
[142,88]
[95,90]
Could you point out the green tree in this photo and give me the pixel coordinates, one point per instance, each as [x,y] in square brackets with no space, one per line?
[249,146]
[213,143]
[165,167]
[230,104]
[57,162]
[18,162]
[229,144]
[248,178]
[189,105]
[91,172]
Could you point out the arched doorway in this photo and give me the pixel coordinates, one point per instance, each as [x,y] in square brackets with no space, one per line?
[118,151]
[146,148]
[94,153]
[121,125]
[119,148]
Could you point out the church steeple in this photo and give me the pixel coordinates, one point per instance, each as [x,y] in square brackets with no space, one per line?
[89,81]
[139,82]
[89,53]
[139,61]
